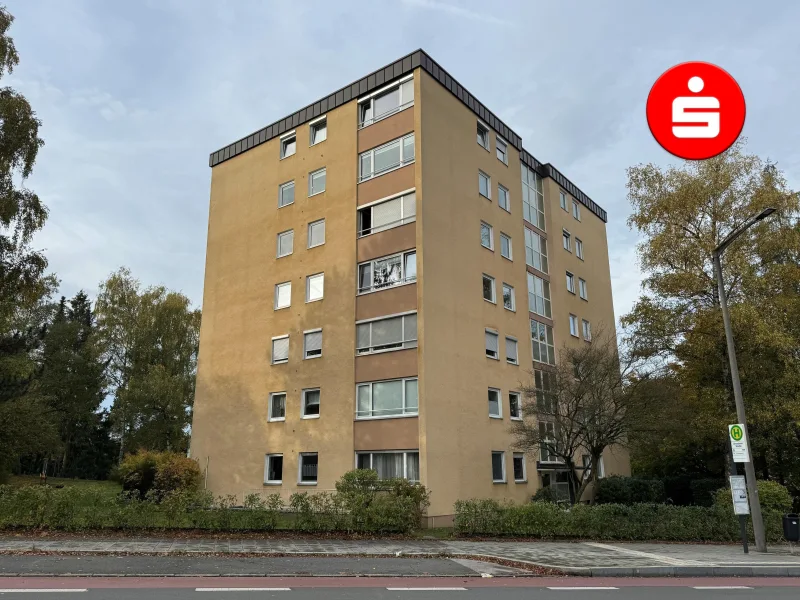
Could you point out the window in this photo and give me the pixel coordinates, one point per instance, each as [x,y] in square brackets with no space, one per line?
[502,198]
[280,349]
[312,343]
[565,240]
[380,335]
[387,398]
[492,350]
[316,182]
[535,251]
[587,467]
[277,406]
[559,484]
[519,468]
[542,343]
[483,136]
[388,271]
[509,302]
[539,296]
[319,131]
[570,283]
[307,468]
[514,406]
[488,289]
[512,357]
[582,288]
[385,215]
[543,382]
[285,243]
[562,198]
[505,247]
[547,435]
[487,236]
[579,248]
[502,150]
[495,406]
[288,144]
[532,198]
[283,295]
[315,287]
[484,185]
[273,469]
[286,194]
[386,102]
[391,465]
[573,325]
[576,210]
[388,157]
[587,330]
[310,406]
[316,233]
[499,467]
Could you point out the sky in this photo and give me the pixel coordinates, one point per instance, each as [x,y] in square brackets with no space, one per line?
[134,96]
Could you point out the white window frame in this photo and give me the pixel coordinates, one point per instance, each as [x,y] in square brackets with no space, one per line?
[579,248]
[491,236]
[582,291]
[547,440]
[278,287]
[404,160]
[534,297]
[403,105]
[570,283]
[587,330]
[405,344]
[533,212]
[521,456]
[503,457]
[536,239]
[510,246]
[404,414]
[566,240]
[488,185]
[494,291]
[272,350]
[282,187]
[300,457]
[405,454]
[308,287]
[502,156]
[573,325]
[308,233]
[518,397]
[278,243]
[267,480]
[499,396]
[314,126]
[513,297]
[270,417]
[286,139]
[304,403]
[311,191]
[491,332]
[500,190]
[516,346]
[548,347]
[404,278]
[404,219]
[562,200]
[485,128]
[576,210]
[305,350]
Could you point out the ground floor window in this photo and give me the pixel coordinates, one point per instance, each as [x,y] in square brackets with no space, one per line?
[558,481]
[390,465]
[273,468]
[309,462]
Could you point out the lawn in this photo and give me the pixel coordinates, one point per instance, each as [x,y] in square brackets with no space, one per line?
[109,487]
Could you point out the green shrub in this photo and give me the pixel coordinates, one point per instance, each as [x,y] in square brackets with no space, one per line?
[704,490]
[629,490]
[137,472]
[772,496]
[154,475]
[545,494]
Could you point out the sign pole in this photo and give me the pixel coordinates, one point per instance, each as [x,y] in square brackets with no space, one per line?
[742,518]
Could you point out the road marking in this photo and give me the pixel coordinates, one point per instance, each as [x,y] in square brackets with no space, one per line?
[40,591]
[578,589]
[241,589]
[676,562]
[721,587]
[429,589]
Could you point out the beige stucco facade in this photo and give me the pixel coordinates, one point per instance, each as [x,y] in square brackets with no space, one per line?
[452,431]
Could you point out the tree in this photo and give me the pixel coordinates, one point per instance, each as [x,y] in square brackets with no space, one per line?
[683,213]
[591,400]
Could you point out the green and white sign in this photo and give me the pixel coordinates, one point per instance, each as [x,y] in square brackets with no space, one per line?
[738,443]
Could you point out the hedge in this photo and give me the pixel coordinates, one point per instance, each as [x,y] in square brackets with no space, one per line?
[639,522]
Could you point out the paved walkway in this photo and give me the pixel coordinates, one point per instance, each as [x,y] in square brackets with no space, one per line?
[585,558]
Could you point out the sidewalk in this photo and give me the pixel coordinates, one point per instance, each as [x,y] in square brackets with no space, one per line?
[579,558]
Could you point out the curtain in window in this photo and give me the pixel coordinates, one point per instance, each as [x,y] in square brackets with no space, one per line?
[387,271]
[388,465]
[412,466]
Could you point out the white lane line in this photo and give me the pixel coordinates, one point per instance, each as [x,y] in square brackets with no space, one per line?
[241,589]
[721,587]
[429,589]
[675,562]
[40,591]
[578,589]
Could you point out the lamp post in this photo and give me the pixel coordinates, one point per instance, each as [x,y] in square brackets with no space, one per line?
[749,469]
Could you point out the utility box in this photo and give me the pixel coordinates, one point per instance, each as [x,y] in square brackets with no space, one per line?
[791,527]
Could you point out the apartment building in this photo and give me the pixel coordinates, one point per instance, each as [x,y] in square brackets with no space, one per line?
[385,269]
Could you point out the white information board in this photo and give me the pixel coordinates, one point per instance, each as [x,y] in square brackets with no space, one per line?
[739,493]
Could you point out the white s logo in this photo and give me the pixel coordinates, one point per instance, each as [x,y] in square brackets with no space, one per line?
[709,120]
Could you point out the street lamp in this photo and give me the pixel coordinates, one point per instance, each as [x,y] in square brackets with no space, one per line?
[750,472]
